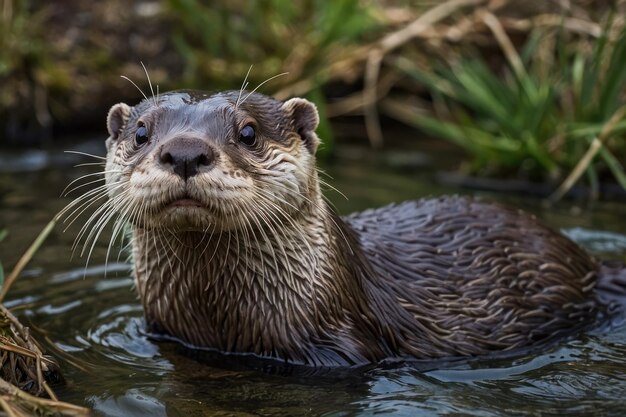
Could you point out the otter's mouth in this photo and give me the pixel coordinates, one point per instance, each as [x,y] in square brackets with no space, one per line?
[185,202]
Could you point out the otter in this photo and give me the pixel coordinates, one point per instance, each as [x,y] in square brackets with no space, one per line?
[235,249]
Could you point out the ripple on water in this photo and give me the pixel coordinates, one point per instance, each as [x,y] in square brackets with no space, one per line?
[98,323]
[565,379]
[134,402]
[91,318]
[597,241]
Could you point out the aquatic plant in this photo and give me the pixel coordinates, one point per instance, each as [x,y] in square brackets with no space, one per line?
[25,372]
[26,70]
[537,113]
[221,41]
[218,43]
[537,119]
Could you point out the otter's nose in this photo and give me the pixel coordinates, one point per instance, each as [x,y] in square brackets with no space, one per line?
[187,156]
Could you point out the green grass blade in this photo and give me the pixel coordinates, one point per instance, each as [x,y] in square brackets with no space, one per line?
[612,86]
[614,165]
[26,257]
[594,181]
[586,130]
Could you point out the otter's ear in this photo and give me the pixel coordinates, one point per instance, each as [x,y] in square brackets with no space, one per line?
[304,118]
[117,118]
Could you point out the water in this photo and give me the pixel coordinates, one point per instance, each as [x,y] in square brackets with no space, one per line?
[93,325]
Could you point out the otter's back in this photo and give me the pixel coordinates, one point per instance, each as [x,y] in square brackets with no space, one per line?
[478,276]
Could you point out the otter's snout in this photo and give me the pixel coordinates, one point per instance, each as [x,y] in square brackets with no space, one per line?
[186,157]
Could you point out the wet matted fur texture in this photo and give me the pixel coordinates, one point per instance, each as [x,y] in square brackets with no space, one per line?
[234,247]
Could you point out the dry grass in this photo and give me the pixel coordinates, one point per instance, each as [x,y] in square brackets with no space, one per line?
[25,372]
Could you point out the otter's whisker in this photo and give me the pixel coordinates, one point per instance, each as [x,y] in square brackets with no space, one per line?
[261,230]
[118,225]
[156,236]
[136,86]
[124,236]
[260,85]
[217,245]
[81,204]
[90,164]
[103,212]
[150,84]
[65,193]
[77,203]
[241,226]
[223,267]
[261,265]
[164,236]
[168,242]
[101,189]
[208,241]
[330,187]
[101,218]
[86,154]
[276,232]
[125,247]
[97,230]
[316,206]
[244,84]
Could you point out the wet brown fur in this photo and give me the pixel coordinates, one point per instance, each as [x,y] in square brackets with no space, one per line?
[290,279]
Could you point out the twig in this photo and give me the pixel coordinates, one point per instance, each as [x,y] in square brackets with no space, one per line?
[11,390]
[19,332]
[7,12]
[388,44]
[6,407]
[49,391]
[401,111]
[505,43]
[595,147]
[354,103]
[22,363]
[572,24]
[372,123]
[60,352]
[10,347]
[425,21]
[26,257]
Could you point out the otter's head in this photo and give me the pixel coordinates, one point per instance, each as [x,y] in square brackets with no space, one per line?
[197,161]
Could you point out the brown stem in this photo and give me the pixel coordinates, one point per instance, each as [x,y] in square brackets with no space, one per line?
[26,257]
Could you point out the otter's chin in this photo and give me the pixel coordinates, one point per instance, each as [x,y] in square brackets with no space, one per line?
[185,215]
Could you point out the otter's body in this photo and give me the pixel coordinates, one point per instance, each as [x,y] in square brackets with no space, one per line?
[235,249]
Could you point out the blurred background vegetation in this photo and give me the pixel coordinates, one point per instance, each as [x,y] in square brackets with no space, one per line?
[530,90]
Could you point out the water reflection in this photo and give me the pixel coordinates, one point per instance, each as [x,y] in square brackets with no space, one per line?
[600,242]
[133,402]
[135,376]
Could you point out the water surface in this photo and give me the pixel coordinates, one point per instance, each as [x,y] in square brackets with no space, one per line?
[90,320]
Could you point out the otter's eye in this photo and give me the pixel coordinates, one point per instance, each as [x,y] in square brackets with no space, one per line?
[247,136]
[141,136]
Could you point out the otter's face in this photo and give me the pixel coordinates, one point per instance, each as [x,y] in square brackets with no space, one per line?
[194,161]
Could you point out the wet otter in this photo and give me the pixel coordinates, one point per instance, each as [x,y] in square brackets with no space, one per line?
[235,248]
